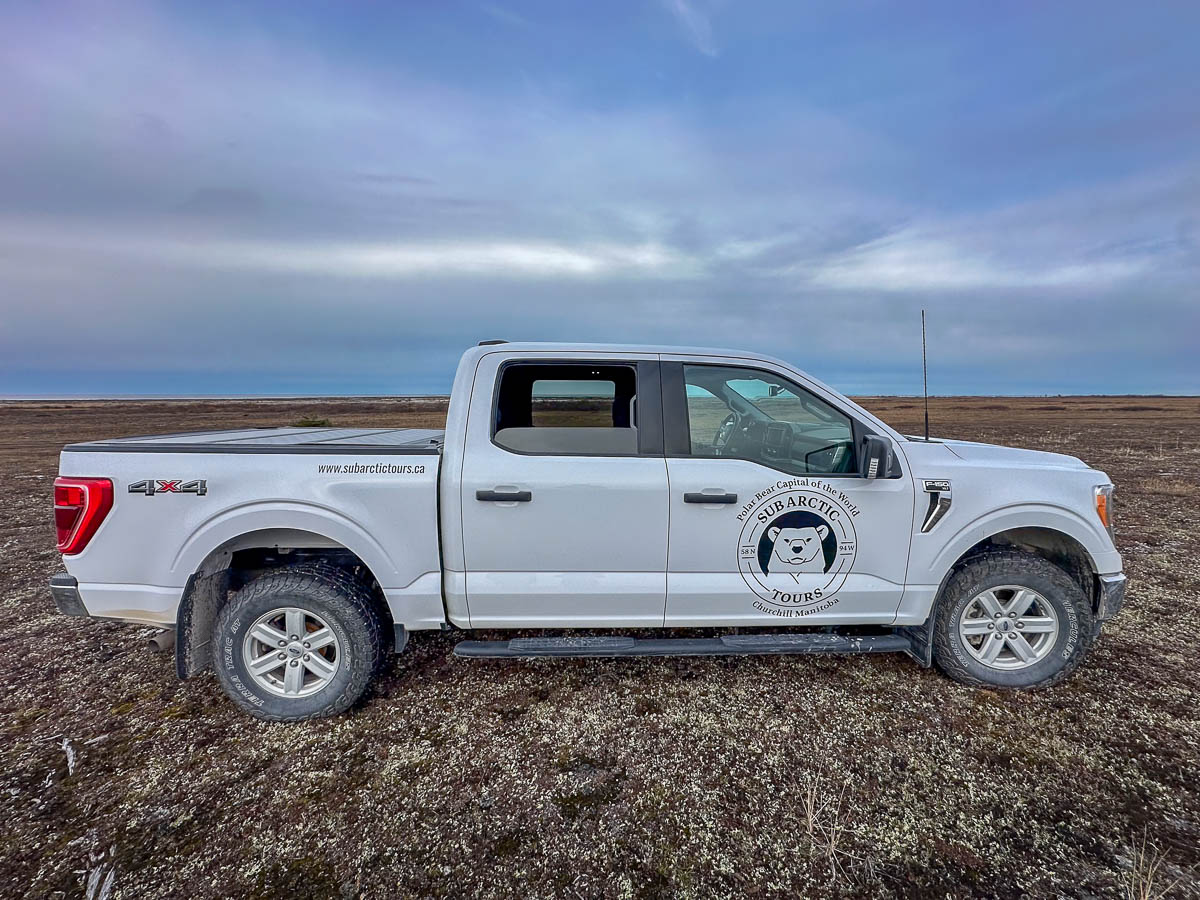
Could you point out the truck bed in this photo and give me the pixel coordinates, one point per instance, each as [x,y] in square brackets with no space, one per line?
[405,441]
[372,491]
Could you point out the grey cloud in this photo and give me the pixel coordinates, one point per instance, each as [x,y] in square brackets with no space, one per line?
[222,202]
[272,218]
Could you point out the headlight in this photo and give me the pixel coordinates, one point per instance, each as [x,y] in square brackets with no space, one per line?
[1104,506]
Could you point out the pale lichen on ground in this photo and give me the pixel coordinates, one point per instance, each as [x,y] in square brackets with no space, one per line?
[622,778]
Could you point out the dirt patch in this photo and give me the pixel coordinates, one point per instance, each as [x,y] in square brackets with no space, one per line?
[610,778]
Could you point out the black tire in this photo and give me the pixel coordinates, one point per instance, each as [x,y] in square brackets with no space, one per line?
[343,603]
[1012,567]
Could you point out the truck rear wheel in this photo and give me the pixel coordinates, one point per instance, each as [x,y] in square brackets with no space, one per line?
[1011,619]
[297,644]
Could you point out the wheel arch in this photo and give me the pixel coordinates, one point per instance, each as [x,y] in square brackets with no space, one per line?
[1055,546]
[1061,547]
[1045,530]
[238,560]
[319,525]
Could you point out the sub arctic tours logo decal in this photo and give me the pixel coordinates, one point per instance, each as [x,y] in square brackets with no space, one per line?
[796,547]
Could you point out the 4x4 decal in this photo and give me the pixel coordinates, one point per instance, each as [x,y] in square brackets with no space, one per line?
[152,486]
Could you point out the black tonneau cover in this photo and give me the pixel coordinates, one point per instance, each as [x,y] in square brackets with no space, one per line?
[404,441]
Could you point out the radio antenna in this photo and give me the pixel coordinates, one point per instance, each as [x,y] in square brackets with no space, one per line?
[925,374]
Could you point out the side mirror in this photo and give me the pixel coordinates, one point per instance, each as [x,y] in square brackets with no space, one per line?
[875,456]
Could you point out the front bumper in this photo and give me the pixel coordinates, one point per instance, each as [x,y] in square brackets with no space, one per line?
[65,590]
[1110,596]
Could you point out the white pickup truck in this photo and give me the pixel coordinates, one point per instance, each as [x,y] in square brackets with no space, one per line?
[584,486]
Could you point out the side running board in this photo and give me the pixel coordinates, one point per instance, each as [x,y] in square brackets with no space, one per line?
[728,645]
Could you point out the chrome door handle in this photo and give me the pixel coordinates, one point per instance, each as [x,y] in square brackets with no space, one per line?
[701,497]
[505,496]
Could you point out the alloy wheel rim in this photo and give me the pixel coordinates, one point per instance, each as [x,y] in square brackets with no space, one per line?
[1008,627]
[290,652]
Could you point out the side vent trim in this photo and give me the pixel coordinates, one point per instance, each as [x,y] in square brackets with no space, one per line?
[940,498]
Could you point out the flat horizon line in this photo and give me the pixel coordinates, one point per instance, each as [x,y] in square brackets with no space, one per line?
[109,398]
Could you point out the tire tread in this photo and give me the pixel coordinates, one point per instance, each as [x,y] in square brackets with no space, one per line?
[339,587]
[1003,563]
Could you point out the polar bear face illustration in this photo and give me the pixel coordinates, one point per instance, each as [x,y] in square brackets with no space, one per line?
[798,549]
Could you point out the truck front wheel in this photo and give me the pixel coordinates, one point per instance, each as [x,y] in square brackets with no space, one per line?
[298,643]
[1011,619]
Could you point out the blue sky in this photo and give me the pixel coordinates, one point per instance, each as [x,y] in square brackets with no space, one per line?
[338,198]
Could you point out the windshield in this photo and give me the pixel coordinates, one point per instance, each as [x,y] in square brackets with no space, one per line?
[778,402]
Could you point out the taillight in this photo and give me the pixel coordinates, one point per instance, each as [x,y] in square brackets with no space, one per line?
[80,505]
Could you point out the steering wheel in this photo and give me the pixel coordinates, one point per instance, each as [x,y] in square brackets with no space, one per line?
[724,432]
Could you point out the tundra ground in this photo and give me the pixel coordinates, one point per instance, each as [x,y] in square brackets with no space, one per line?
[766,777]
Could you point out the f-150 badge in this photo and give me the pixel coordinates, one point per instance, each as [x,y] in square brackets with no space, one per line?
[796,547]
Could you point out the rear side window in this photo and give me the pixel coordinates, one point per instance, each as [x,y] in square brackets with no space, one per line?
[567,409]
[573,404]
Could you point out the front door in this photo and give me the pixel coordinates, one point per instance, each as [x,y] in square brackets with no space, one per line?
[770,521]
[564,495]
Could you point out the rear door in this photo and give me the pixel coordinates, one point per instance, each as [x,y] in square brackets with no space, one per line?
[770,521]
[564,493]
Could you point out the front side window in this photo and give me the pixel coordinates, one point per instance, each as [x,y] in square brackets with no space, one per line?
[567,409]
[763,417]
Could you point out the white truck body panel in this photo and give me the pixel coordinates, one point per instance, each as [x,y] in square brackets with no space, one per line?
[607,541]
[1002,484]
[592,547]
[137,565]
[705,586]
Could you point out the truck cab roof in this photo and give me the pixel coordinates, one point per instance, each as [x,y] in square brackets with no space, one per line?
[485,347]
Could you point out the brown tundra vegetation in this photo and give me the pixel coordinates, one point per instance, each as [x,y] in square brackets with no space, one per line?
[760,777]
